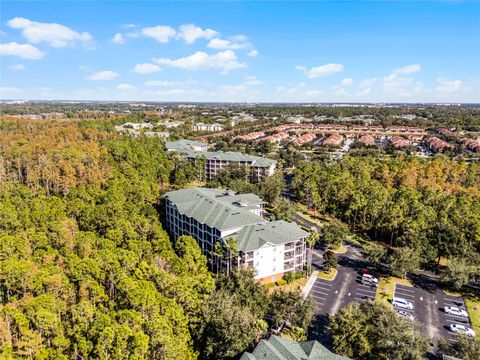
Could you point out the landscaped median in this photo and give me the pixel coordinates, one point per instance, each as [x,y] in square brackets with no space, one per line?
[330,275]
[297,284]
[386,288]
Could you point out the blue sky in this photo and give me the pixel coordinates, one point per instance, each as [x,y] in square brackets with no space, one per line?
[241,51]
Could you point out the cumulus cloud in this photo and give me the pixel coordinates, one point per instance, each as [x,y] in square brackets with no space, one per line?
[161,33]
[347,82]
[221,44]
[224,60]
[17,67]
[190,33]
[53,34]
[125,87]
[24,51]
[446,86]
[103,75]
[314,93]
[252,80]
[146,68]
[159,83]
[363,92]
[409,69]
[253,53]
[321,70]
[118,39]
[368,82]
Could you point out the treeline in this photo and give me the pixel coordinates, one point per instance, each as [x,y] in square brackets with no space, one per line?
[431,206]
[88,272]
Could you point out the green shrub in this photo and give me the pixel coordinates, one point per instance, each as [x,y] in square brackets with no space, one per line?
[289,277]
[281,282]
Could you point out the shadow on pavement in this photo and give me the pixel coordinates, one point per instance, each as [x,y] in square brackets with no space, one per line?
[317,330]
[424,282]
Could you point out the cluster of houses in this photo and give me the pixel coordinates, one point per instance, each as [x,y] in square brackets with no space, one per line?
[438,145]
[469,143]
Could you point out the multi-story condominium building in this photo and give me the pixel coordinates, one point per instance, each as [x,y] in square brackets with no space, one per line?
[215,161]
[271,248]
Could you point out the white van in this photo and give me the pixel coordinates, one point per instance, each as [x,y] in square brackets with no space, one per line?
[402,303]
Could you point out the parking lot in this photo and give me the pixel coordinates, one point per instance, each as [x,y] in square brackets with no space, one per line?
[428,309]
[428,300]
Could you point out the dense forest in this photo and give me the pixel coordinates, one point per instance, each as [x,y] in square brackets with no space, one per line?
[88,272]
[427,208]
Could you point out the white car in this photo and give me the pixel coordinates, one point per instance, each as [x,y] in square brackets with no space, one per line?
[368,279]
[406,315]
[402,303]
[462,329]
[453,310]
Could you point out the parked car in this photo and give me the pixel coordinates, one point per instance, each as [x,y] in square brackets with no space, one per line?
[370,280]
[462,329]
[453,310]
[406,315]
[402,303]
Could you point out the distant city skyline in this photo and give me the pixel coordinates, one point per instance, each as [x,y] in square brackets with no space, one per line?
[363,51]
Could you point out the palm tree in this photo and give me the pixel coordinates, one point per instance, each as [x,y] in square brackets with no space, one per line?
[311,241]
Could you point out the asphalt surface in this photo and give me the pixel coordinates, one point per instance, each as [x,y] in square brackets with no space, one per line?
[426,295]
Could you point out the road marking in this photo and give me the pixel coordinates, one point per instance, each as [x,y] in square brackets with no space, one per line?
[345,283]
[321,287]
[362,299]
[400,287]
[456,316]
[365,291]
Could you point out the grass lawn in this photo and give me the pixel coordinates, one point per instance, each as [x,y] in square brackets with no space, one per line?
[443,261]
[386,288]
[294,285]
[473,308]
[327,276]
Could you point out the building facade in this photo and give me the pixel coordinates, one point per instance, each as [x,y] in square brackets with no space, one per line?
[215,161]
[271,248]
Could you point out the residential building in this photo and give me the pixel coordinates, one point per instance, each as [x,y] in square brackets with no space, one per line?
[271,248]
[184,144]
[215,161]
[207,127]
[438,145]
[278,348]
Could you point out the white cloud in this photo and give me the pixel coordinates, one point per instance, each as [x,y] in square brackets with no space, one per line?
[161,33]
[159,83]
[252,80]
[221,44]
[146,68]
[118,39]
[103,75]
[409,69]
[252,53]
[125,87]
[17,67]
[347,82]
[129,26]
[55,35]
[7,92]
[24,51]
[190,33]
[446,86]
[224,60]
[83,67]
[321,70]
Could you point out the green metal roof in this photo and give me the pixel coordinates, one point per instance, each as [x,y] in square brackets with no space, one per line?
[277,348]
[183,144]
[216,207]
[230,156]
[275,232]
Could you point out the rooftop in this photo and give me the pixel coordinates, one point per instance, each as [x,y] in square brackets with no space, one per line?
[277,348]
[183,144]
[232,156]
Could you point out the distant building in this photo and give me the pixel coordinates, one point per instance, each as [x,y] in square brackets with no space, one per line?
[207,127]
[271,248]
[157,134]
[171,124]
[186,145]
[278,348]
[215,161]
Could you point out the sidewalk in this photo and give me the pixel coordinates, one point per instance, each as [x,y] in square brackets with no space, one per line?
[308,286]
